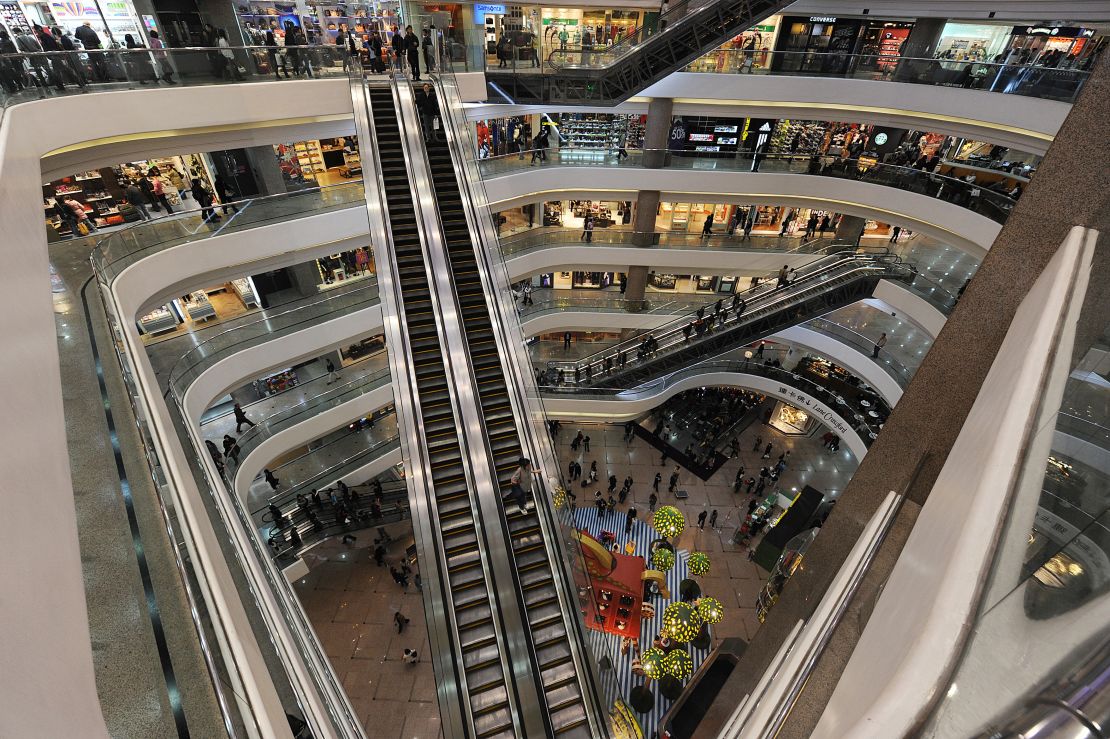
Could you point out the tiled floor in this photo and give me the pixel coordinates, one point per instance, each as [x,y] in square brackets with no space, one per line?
[351,603]
[734,579]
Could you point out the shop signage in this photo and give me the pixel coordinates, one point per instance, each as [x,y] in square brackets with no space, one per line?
[1061,31]
[725,129]
[822,19]
[814,407]
[701,137]
[881,138]
[489,8]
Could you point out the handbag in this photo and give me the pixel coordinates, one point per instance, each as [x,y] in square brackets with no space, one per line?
[83,228]
[435,123]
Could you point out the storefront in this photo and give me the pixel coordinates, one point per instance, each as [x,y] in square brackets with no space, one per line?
[101,191]
[319,163]
[343,267]
[572,213]
[972,41]
[816,44]
[111,19]
[319,20]
[749,51]
[1056,46]
[707,136]
[220,302]
[880,44]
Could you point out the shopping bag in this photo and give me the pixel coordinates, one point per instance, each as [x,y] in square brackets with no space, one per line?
[435,123]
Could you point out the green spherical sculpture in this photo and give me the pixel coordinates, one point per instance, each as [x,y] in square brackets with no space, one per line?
[678,664]
[652,662]
[662,559]
[710,610]
[699,564]
[681,622]
[668,521]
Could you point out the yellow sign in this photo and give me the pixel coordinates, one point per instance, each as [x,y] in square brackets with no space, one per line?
[623,722]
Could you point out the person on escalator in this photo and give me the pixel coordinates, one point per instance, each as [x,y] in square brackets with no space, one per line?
[521,476]
[428,105]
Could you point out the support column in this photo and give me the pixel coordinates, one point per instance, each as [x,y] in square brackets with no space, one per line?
[850,229]
[920,44]
[267,175]
[305,277]
[656,136]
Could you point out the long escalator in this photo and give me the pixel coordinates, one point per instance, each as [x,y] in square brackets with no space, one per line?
[824,285]
[483,675]
[611,75]
[549,636]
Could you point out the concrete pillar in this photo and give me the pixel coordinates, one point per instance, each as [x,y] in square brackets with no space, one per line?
[920,44]
[267,175]
[850,229]
[656,134]
[305,277]
[657,131]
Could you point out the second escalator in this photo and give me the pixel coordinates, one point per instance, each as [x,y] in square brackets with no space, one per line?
[549,631]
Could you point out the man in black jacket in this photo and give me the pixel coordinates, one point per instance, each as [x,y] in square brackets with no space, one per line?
[428,105]
[90,40]
[412,50]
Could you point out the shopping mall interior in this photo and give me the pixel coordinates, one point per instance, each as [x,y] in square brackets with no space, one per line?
[407,370]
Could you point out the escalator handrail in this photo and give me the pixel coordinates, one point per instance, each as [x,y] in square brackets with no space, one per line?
[530,716]
[529,414]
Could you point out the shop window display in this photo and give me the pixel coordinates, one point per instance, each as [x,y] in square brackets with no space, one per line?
[751,50]
[319,163]
[345,266]
[354,352]
[320,21]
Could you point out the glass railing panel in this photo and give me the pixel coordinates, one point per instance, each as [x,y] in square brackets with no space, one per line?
[330,398]
[976,197]
[32,76]
[540,238]
[123,248]
[866,419]
[1031,80]
[1049,587]
[901,374]
[358,296]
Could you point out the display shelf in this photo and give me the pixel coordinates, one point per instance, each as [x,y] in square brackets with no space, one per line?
[199,308]
[243,289]
[158,320]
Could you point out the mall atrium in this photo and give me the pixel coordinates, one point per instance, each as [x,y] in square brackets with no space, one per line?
[391,369]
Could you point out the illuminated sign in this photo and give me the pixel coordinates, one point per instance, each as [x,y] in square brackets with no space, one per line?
[701,137]
[881,138]
[822,19]
[727,141]
[724,129]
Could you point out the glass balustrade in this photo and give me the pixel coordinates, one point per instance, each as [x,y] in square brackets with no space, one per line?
[978,198]
[32,76]
[123,248]
[341,301]
[267,427]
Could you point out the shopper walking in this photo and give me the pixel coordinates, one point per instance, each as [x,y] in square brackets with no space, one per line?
[701,519]
[521,482]
[879,345]
[272,481]
[226,194]
[786,223]
[713,519]
[240,418]
[653,499]
[587,230]
[231,448]
[629,519]
[655,483]
[586,444]
[539,145]
[811,226]
[158,192]
[276,54]
[673,482]
[399,618]
[749,224]
[412,51]
[428,48]
[707,227]
[894,232]
[204,200]
[333,376]
[566,340]
[410,657]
